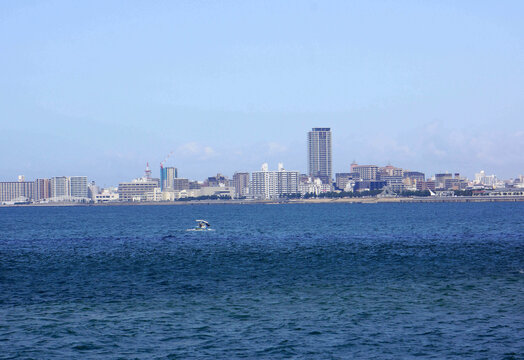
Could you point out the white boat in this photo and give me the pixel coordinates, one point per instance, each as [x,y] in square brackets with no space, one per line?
[202,225]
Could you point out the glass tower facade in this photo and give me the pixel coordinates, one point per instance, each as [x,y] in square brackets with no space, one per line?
[167,177]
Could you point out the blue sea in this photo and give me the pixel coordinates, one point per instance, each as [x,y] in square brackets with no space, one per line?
[298,281]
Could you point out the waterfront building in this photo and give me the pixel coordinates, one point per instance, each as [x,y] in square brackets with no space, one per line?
[456,183]
[221,191]
[154,195]
[195,185]
[60,189]
[180,184]
[390,170]
[394,182]
[241,183]
[78,186]
[320,154]
[218,180]
[519,181]
[92,191]
[342,179]
[267,184]
[426,185]
[167,177]
[16,190]
[412,177]
[366,172]
[42,189]
[314,186]
[303,178]
[136,190]
[440,180]
[105,196]
[370,185]
[487,180]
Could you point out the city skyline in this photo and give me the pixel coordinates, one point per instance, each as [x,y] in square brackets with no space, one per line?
[173,170]
[102,88]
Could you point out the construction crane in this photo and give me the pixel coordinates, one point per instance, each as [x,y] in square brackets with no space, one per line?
[165,160]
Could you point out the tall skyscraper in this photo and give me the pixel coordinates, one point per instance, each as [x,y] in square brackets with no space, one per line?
[319,154]
[167,177]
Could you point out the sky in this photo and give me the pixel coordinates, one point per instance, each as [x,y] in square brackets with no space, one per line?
[99,88]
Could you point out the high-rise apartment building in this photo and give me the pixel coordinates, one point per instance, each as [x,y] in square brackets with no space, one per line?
[241,183]
[319,154]
[16,190]
[167,177]
[78,186]
[267,184]
[60,187]
[42,189]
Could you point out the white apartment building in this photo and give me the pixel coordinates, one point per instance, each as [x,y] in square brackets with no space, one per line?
[267,184]
[482,179]
[60,187]
[314,186]
[78,186]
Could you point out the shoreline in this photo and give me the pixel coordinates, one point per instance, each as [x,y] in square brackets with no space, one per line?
[363,200]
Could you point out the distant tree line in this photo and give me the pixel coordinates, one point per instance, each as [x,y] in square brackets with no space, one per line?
[415,193]
[463,192]
[333,195]
[350,194]
[206,197]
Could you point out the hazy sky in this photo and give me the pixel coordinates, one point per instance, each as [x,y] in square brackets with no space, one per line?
[100,88]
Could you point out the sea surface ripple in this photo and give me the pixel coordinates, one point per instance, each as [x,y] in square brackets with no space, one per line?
[314,281]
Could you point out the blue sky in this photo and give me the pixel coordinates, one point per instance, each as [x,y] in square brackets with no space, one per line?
[100,88]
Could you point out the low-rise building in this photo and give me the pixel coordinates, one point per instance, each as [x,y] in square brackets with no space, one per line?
[105,196]
[366,172]
[370,185]
[180,184]
[440,180]
[394,182]
[426,185]
[137,189]
[342,179]
[314,186]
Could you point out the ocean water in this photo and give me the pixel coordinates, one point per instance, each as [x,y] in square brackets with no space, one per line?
[313,281]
